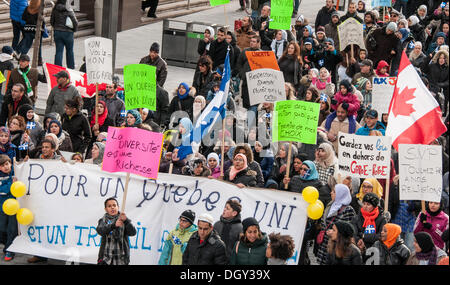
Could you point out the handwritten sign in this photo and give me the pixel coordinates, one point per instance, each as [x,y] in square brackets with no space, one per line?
[420,172]
[280,14]
[295,121]
[262,59]
[133,150]
[382,91]
[350,32]
[265,85]
[218,2]
[98,53]
[364,156]
[140,86]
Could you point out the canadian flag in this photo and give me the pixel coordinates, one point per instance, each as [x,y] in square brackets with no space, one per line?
[77,79]
[414,115]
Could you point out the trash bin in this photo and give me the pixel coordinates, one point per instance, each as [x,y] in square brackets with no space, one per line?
[180,41]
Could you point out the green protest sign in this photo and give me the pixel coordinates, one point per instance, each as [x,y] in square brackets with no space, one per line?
[140,86]
[295,121]
[280,14]
[218,2]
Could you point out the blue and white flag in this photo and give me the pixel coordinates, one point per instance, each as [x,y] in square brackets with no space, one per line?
[23,146]
[31,125]
[216,108]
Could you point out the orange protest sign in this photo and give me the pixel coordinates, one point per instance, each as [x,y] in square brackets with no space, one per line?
[262,59]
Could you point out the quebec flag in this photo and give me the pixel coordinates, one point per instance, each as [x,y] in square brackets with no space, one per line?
[216,108]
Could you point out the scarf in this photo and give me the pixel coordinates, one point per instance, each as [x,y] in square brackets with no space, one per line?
[184,96]
[234,171]
[369,218]
[311,174]
[277,45]
[25,78]
[102,117]
[114,247]
[430,256]
[393,231]
[343,198]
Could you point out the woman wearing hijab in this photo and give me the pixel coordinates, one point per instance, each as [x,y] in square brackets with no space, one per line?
[185,148]
[279,43]
[183,100]
[391,248]
[213,163]
[134,119]
[239,173]
[197,108]
[338,209]
[103,121]
[98,149]
[326,161]
[341,250]
[35,128]
[369,185]
[369,222]
[434,221]
[308,177]
[64,141]
[425,251]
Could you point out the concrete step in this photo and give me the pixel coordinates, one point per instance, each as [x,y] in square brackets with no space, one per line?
[176,9]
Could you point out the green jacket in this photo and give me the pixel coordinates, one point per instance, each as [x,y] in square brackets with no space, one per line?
[250,254]
[175,244]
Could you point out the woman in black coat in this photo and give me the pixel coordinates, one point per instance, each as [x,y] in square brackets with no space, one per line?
[290,64]
[341,250]
[203,77]
[239,173]
[437,73]
[77,125]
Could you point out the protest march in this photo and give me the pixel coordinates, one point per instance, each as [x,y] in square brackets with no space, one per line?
[298,141]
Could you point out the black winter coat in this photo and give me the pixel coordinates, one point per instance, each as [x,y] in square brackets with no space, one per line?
[203,83]
[352,259]
[210,252]
[229,231]
[437,75]
[385,44]
[245,176]
[323,17]
[398,254]
[79,130]
[368,239]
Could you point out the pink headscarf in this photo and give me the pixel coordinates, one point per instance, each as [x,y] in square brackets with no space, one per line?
[233,170]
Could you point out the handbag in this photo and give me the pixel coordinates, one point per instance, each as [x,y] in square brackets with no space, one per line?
[321,234]
[69,22]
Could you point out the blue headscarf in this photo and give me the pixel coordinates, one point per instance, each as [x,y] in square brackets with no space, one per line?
[137,116]
[405,33]
[59,125]
[186,86]
[185,148]
[311,174]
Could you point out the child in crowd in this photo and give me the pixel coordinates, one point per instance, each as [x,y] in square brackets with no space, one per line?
[8,224]
[114,228]
[213,163]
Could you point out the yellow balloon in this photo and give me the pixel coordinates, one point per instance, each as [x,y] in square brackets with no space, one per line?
[320,203]
[315,210]
[10,206]
[310,194]
[24,216]
[18,189]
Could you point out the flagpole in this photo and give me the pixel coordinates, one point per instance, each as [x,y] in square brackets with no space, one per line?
[288,164]
[222,148]
[125,191]
[96,103]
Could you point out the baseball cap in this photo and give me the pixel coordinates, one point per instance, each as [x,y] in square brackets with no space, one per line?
[62,73]
[372,114]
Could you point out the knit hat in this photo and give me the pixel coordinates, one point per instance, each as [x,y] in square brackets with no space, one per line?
[155,47]
[372,199]
[425,241]
[335,14]
[7,49]
[329,40]
[300,18]
[205,217]
[308,41]
[188,215]
[320,30]
[345,228]
[441,35]
[367,62]
[391,27]
[24,57]
[249,222]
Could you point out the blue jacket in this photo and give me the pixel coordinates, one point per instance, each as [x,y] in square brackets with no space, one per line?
[16,9]
[364,131]
[5,188]
[175,245]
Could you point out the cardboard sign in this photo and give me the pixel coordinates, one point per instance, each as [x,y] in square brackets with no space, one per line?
[140,86]
[382,91]
[133,150]
[262,59]
[265,85]
[280,14]
[98,53]
[420,172]
[351,32]
[295,121]
[364,156]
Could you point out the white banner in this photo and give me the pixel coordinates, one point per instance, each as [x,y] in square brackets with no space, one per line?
[382,91]
[265,85]
[98,53]
[67,201]
[420,171]
[364,156]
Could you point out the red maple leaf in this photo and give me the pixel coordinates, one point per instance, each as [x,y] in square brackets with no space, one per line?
[401,107]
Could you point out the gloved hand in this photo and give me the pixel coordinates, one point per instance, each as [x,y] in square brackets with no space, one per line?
[334,101]
[345,105]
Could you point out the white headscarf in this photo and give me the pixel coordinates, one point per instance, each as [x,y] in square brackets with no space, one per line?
[343,198]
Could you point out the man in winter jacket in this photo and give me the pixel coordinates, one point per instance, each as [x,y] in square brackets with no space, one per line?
[205,246]
[372,124]
[60,93]
[387,44]
[12,102]
[218,49]
[114,104]
[331,29]
[324,15]
[230,226]
[154,59]
[244,33]
[352,13]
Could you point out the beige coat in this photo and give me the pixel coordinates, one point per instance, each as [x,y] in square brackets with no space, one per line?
[336,127]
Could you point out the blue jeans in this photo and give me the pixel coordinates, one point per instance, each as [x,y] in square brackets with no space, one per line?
[27,42]
[296,5]
[8,225]
[17,31]
[64,40]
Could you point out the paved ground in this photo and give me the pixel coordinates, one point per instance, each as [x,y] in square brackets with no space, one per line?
[133,44]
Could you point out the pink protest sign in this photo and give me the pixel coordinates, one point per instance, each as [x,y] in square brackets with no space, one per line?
[133,150]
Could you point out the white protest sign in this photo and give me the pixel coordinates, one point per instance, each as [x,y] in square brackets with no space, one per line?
[420,172]
[351,32]
[67,201]
[382,91]
[364,156]
[265,85]
[98,53]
